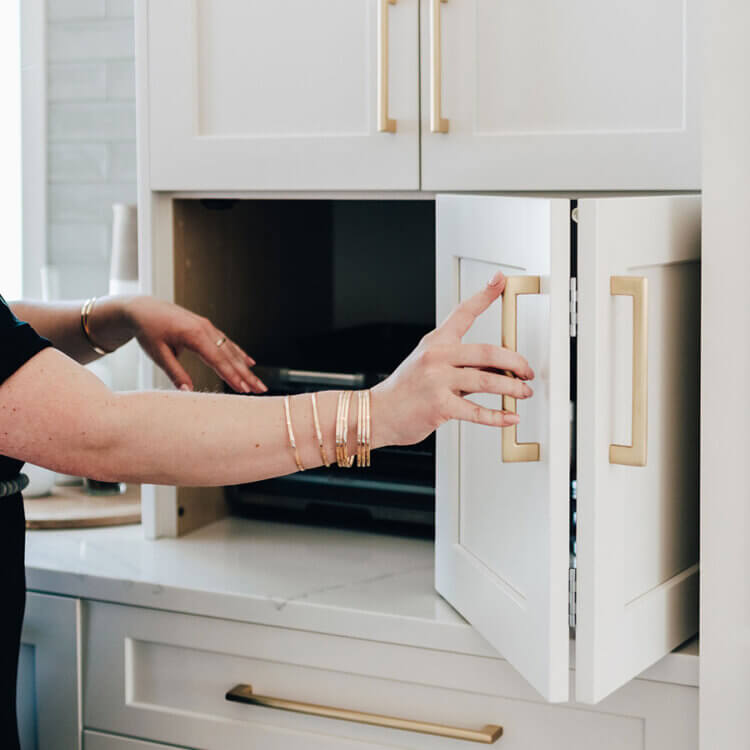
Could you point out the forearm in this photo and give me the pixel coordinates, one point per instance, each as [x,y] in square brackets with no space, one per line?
[60,322]
[206,439]
[57,414]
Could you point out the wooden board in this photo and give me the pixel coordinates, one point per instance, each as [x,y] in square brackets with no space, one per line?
[72,508]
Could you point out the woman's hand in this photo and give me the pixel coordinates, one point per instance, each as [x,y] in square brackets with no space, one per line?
[163,330]
[429,386]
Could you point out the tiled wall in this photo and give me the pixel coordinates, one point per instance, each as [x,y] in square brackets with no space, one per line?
[90,135]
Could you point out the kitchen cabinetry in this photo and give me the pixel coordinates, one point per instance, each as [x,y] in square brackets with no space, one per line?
[49,714]
[502,554]
[165,675]
[547,95]
[289,95]
[299,96]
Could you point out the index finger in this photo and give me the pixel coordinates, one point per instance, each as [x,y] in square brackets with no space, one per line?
[464,315]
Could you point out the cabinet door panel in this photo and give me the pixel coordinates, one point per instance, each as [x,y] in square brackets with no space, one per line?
[501,537]
[251,95]
[550,95]
[637,525]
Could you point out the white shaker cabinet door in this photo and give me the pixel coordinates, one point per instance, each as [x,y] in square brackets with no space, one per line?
[638,417]
[281,95]
[550,95]
[502,510]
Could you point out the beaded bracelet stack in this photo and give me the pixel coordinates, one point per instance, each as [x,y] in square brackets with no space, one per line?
[364,430]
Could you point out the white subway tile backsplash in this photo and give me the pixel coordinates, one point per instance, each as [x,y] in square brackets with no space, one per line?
[122,161]
[77,162]
[91,121]
[121,79]
[90,135]
[78,243]
[71,81]
[120,8]
[62,10]
[87,203]
[100,40]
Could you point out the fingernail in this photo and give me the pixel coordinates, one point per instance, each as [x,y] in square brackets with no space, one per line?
[529,392]
[264,387]
[496,279]
[245,387]
[185,387]
[512,419]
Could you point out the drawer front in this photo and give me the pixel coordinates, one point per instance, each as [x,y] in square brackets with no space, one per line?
[164,676]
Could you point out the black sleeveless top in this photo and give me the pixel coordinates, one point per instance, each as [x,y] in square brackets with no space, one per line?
[19,342]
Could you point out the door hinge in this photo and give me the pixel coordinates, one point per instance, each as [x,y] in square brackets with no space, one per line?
[573,307]
[572,597]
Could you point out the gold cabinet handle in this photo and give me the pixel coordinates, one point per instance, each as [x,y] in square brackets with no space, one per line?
[437,123]
[244,694]
[637,288]
[513,451]
[385,124]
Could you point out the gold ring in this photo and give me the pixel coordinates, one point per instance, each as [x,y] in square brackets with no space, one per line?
[221,341]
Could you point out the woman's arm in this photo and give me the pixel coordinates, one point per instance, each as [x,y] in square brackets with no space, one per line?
[57,414]
[162,329]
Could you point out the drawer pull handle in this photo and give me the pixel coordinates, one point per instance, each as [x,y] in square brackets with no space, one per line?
[513,451]
[437,123]
[636,453]
[385,124]
[244,694]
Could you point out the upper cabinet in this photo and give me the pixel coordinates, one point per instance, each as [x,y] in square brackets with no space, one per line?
[294,95]
[282,95]
[546,95]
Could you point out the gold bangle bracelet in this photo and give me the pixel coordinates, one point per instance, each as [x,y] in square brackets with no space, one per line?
[86,309]
[342,431]
[290,431]
[363,428]
[318,432]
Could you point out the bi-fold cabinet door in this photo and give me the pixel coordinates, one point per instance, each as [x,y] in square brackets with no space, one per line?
[282,95]
[502,538]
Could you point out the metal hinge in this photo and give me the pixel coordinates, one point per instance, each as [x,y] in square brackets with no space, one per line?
[572,597]
[573,307]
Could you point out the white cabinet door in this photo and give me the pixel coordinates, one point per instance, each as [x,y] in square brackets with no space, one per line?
[637,386]
[550,95]
[282,95]
[48,677]
[502,526]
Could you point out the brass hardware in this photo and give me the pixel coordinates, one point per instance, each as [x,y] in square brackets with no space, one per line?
[385,124]
[438,124]
[244,694]
[635,454]
[513,451]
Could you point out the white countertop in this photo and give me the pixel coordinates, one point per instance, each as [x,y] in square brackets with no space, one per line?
[334,581]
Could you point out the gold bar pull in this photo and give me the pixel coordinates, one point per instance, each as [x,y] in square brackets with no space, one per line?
[437,123]
[244,694]
[513,451]
[637,288]
[385,124]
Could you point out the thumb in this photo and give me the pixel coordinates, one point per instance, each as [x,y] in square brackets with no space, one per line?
[166,359]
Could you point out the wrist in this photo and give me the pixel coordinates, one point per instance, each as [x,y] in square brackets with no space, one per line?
[382,431]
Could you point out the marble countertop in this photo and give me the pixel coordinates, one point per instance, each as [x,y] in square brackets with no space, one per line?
[327,580]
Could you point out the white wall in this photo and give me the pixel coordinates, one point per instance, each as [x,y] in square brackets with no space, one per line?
[91,160]
[725,479]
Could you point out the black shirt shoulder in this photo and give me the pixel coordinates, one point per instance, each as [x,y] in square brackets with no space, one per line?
[19,342]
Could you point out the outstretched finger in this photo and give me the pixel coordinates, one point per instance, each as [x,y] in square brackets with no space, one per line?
[166,359]
[464,315]
[468,411]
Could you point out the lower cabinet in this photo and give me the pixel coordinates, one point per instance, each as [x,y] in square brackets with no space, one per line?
[165,677]
[48,692]
[101,741]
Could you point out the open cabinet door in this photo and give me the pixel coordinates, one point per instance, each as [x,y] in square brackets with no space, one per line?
[638,416]
[501,555]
